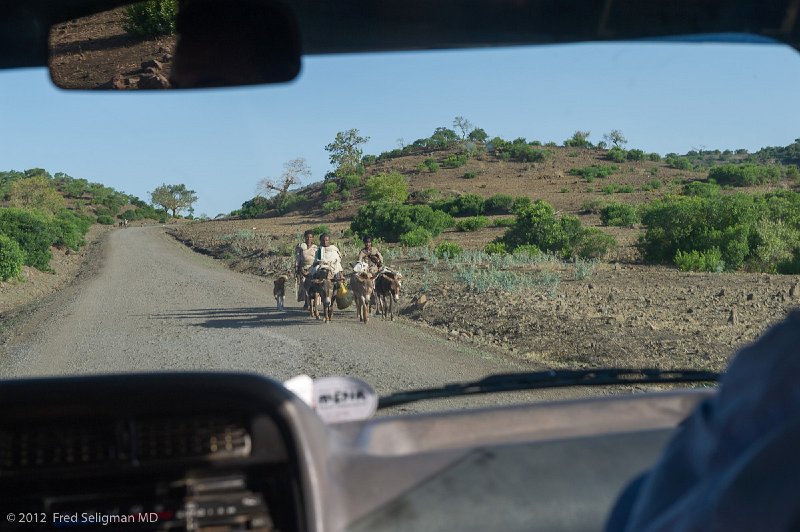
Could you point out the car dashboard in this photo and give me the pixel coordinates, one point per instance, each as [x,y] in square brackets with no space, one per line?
[209,451]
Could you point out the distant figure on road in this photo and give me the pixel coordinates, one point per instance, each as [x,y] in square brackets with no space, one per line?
[304,254]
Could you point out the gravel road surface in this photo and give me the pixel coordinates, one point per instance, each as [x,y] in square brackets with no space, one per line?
[151,304]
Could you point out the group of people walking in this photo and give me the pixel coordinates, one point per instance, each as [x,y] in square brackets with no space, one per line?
[325,260]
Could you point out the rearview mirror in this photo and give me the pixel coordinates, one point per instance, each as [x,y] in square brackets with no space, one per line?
[160,44]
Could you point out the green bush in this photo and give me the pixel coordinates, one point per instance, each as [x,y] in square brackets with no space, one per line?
[592,243]
[521,202]
[495,248]
[743,175]
[679,163]
[698,188]
[539,226]
[368,160]
[594,206]
[498,204]
[635,155]
[390,220]
[70,229]
[617,155]
[105,219]
[329,188]
[387,187]
[472,223]
[431,165]
[700,261]
[32,231]
[619,215]
[527,251]
[464,205]
[418,236]
[11,258]
[320,230]
[150,18]
[350,182]
[470,175]
[503,222]
[331,206]
[653,157]
[594,171]
[448,250]
[455,160]
[759,230]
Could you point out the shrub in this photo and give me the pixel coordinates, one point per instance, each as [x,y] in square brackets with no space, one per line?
[349,182]
[288,202]
[594,206]
[579,139]
[626,189]
[742,175]
[470,175]
[591,172]
[503,222]
[32,231]
[431,165]
[619,215]
[772,243]
[331,206]
[465,205]
[455,160]
[368,160]
[150,18]
[593,243]
[679,163]
[635,155]
[329,188]
[105,219]
[427,195]
[698,188]
[527,251]
[655,184]
[418,236]
[320,230]
[498,204]
[521,202]
[11,258]
[700,261]
[70,229]
[616,154]
[653,157]
[495,248]
[390,220]
[387,187]
[448,250]
[472,223]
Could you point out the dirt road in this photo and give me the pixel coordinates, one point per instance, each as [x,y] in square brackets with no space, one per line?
[154,305]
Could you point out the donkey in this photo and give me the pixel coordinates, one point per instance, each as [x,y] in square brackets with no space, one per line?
[362,286]
[387,291]
[321,292]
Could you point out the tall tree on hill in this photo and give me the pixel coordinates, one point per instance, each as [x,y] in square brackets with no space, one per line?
[616,138]
[294,172]
[345,153]
[463,125]
[175,198]
[37,192]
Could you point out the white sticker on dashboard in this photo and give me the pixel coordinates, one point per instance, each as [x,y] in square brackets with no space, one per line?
[341,399]
[303,387]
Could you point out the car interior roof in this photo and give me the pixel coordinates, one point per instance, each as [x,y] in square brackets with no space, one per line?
[350,26]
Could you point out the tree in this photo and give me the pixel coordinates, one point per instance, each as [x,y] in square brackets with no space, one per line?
[345,153]
[478,135]
[462,124]
[37,192]
[173,198]
[616,138]
[294,172]
[579,139]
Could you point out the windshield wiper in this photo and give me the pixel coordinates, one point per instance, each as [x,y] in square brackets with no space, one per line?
[550,379]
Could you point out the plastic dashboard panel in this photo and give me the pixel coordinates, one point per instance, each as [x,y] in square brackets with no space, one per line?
[182,445]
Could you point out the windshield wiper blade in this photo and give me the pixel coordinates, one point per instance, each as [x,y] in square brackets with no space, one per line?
[550,379]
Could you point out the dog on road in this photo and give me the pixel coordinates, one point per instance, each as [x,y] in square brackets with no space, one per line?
[279,290]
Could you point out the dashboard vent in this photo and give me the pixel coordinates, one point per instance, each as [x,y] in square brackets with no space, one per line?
[61,445]
[201,436]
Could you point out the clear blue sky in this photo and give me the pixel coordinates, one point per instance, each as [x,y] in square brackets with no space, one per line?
[664,98]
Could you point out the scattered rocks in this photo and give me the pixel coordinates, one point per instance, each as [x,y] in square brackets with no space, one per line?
[733,317]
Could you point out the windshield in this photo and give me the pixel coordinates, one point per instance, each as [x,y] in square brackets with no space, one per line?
[564,207]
